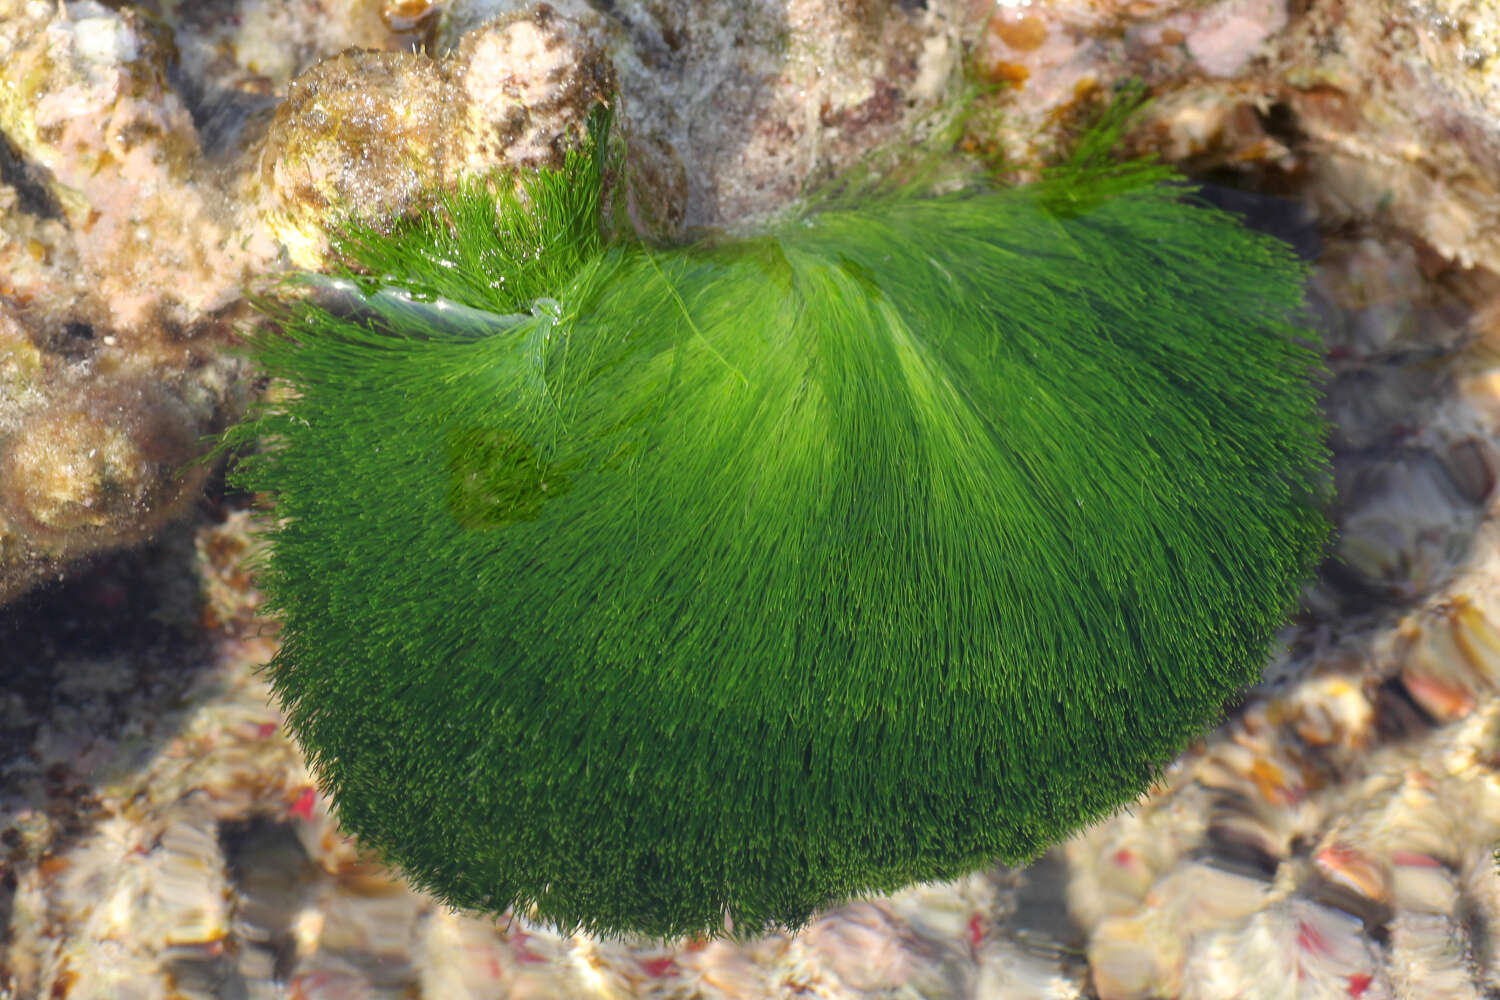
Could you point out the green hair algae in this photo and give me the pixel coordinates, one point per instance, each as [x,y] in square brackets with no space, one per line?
[693,590]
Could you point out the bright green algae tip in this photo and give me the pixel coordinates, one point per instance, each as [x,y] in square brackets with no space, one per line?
[737,580]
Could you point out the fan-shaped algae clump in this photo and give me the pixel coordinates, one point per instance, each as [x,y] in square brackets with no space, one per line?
[693,590]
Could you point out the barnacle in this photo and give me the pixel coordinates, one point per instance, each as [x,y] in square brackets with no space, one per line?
[691,590]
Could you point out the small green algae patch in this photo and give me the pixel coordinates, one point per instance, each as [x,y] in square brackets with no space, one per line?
[495,477]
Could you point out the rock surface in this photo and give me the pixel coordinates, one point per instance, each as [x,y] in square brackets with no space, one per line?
[118,276]
[1373,111]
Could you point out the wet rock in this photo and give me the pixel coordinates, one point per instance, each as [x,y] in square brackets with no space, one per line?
[1405,526]
[359,136]
[1379,110]
[731,115]
[119,276]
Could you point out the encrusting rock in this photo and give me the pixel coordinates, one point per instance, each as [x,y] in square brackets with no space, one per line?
[366,135]
[119,278]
